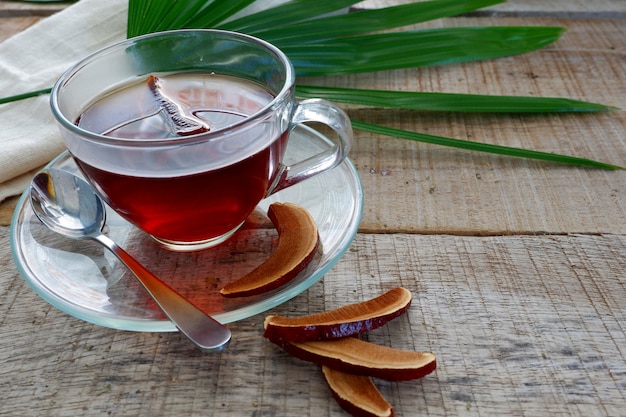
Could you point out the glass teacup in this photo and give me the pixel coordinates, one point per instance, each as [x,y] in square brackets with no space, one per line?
[184,132]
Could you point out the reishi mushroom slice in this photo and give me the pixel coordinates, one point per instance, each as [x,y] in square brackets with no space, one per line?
[298,242]
[358,357]
[357,394]
[345,321]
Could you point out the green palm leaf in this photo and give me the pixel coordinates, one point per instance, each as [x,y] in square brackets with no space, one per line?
[358,22]
[472,103]
[30,94]
[149,16]
[323,45]
[480,147]
[416,48]
[219,10]
[284,14]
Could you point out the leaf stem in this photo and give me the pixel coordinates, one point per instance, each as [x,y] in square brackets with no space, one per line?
[429,101]
[18,97]
[480,147]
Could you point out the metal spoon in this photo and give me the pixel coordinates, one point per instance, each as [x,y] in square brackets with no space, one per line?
[69,206]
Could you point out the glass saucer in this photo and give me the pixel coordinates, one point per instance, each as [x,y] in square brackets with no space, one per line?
[84,280]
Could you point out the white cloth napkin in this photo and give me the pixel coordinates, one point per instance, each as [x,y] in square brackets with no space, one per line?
[33,60]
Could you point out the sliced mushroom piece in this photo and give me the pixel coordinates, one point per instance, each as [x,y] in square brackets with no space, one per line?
[345,321]
[357,394]
[298,243]
[359,357]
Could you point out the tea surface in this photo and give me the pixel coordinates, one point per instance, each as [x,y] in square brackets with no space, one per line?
[135,111]
[201,204]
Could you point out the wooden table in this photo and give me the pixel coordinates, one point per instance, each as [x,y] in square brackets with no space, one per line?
[516,266]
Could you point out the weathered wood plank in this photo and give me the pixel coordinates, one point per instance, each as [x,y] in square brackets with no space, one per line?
[437,190]
[14,25]
[430,189]
[521,326]
[6,211]
[41,8]
[569,8]
[565,7]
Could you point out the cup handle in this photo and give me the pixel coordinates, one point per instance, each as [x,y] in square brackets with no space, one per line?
[322,111]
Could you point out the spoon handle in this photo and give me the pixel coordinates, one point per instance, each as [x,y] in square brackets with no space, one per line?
[207,333]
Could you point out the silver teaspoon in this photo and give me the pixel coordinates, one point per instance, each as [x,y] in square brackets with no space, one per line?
[69,206]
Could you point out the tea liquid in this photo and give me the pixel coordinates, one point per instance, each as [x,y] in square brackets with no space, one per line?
[201,205]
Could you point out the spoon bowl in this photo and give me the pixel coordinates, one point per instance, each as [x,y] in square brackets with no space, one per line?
[66,204]
[69,206]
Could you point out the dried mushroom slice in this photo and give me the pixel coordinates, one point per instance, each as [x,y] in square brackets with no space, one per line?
[298,242]
[345,321]
[357,394]
[359,357]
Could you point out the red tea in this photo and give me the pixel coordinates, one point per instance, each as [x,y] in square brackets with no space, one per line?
[190,207]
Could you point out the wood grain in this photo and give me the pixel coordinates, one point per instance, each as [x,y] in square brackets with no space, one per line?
[16,24]
[17,15]
[569,8]
[431,189]
[31,8]
[521,326]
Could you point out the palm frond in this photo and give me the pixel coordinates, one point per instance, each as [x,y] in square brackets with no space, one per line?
[17,97]
[411,49]
[480,147]
[365,21]
[469,103]
[215,12]
[284,14]
[148,16]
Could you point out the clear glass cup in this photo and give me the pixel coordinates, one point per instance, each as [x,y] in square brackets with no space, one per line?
[189,190]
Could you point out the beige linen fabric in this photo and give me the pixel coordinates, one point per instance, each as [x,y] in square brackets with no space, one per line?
[33,60]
